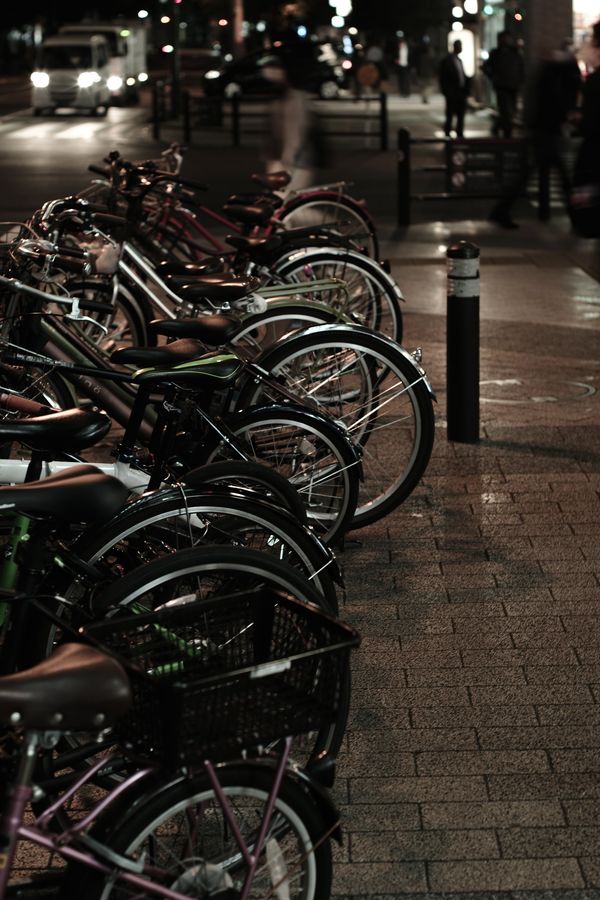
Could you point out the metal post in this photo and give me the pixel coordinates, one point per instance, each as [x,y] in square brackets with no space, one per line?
[187,124]
[383,121]
[403,176]
[235,120]
[175,60]
[462,342]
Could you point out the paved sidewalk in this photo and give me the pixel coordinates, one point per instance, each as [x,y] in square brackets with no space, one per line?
[472,764]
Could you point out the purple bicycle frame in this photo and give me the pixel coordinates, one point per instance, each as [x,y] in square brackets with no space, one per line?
[12,827]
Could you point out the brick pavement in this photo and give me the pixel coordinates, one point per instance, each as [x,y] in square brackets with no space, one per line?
[471,767]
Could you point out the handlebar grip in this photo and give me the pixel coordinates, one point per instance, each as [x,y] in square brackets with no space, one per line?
[95,306]
[109,218]
[98,170]
[72,252]
[71,264]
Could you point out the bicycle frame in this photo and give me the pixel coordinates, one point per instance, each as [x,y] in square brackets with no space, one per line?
[101,858]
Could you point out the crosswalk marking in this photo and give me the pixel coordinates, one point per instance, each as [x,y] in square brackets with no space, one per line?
[83,132]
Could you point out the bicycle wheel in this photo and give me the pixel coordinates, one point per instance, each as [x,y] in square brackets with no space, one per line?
[339,211]
[310,451]
[181,832]
[261,330]
[375,388]
[237,473]
[212,571]
[180,518]
[373,295]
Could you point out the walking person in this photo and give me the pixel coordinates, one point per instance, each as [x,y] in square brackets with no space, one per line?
[585,199]
[506,70]
[454,85]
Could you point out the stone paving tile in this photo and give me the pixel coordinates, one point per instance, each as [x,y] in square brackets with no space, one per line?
[505,874]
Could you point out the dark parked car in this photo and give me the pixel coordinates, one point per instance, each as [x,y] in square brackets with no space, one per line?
[261,73]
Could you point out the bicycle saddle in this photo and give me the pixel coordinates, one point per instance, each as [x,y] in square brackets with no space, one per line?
[79,494]
[178,267]
[249,215]
[217,287]
[168,355]
[70,430]
[211,330]
[255,200]
[254,245]
[273,181]
[78,688]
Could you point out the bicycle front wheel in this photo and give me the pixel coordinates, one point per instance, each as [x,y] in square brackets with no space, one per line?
[181,833]
[375,388]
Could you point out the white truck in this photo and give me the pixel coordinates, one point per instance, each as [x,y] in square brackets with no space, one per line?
[127,55]
[71,71]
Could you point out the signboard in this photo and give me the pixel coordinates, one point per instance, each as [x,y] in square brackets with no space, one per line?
[483,166]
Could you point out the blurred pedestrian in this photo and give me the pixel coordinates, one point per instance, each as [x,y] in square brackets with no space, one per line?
[550,99]
[587,166]
[454,85]
[293,131]
[506,71]
[585,198]
[425,69]
[403,67]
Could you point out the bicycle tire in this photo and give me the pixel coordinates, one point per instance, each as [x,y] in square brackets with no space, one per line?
[332,208]
[237,472]
[373,295]
[369,384]
[160,825]
[260,330]
[176,518]
[310,451]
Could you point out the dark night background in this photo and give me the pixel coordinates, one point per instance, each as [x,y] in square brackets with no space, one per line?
[412,17]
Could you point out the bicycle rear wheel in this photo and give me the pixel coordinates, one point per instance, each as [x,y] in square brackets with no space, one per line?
[379,393]
[332,209]
[311,452]
[181,832]
[373,295]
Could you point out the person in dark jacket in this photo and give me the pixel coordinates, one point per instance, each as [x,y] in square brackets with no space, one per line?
[587,165]
[454,85]
[506,71]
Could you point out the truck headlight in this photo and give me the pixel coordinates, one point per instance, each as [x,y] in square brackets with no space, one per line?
[87,79]
[114,82]
[40,79]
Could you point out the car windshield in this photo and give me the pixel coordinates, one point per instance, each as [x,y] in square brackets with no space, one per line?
[75,57]
[111,37]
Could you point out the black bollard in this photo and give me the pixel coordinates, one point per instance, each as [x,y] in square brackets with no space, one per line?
[462,342]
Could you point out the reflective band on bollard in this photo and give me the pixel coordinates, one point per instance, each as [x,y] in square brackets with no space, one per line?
[462,342]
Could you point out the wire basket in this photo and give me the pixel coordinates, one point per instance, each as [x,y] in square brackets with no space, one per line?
[214,677]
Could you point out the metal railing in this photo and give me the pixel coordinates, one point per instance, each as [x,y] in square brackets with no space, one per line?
[192,113]
[471,168]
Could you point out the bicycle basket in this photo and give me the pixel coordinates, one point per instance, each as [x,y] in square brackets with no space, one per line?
[213,677]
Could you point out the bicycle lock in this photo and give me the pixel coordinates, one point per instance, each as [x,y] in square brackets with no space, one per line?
[462,342]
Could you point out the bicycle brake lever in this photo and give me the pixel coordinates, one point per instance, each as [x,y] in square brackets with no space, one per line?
[76,317]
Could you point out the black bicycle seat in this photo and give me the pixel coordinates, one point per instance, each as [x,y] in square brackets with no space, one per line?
[176,267]
[255,200]
[211,330]
[70,430]
[78,688]
[249,215]
[217,288]
[273,181]
[79,494]
[168,355]
[208,370]
[255,245]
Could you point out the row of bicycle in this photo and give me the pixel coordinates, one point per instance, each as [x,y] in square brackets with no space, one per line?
[201,557]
